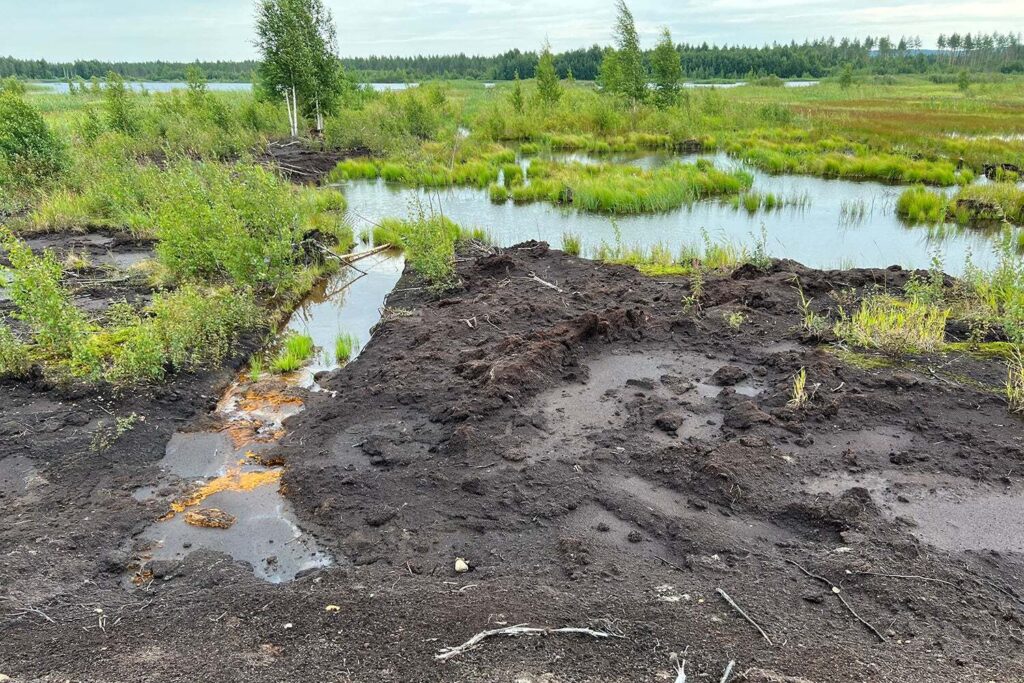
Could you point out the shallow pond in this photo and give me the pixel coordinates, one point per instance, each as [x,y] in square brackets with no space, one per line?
[840,223]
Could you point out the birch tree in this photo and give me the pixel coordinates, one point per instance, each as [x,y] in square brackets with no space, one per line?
[298,42]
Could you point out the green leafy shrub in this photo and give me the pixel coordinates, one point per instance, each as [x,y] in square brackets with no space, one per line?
[122,112]
[42,301]
[227,223]
[186,330]
[29,150]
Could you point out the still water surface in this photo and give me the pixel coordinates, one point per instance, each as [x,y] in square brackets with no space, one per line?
[841,224]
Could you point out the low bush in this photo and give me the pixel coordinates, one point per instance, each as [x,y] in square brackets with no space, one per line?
[29,151]
[41,300]
[185,330]
[14,355]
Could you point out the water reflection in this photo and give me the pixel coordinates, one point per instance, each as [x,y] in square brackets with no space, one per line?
[843,224]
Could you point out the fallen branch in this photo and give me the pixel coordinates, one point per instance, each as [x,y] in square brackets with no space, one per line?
[511,631]
[728,672]
[839,594]
[533,276]
[911,577]
[732,603]
[359,256]
[22,610]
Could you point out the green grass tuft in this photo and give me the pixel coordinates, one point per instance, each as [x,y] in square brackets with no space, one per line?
[296,350]
[344,347]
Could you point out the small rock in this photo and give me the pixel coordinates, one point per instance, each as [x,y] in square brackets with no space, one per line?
[10,429]
[635,536]
[461,566]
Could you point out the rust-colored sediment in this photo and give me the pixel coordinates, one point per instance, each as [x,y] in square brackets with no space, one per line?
[210,518]
[234,480]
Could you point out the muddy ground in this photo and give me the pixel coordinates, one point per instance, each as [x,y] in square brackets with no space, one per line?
[597,455]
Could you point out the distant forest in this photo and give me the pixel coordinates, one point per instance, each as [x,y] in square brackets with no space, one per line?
[812,59]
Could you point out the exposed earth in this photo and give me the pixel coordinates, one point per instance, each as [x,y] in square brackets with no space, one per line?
[596,456]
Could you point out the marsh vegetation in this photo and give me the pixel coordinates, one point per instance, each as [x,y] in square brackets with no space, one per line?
[184,170]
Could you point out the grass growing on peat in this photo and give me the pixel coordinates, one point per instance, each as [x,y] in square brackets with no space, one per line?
[919,205]
[621,190]
[992,202]
[1015,382]
[894,326]
[571,244]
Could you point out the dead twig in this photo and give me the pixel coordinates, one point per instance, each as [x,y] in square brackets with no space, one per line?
[519,630]
[910,577]
[839,594]
[728,672]
[732,603]
[533,276]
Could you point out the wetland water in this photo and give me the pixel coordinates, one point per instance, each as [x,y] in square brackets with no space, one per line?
[841,223]
[220,469]
[162,86]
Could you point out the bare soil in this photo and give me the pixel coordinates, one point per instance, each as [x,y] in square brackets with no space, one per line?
[597,455]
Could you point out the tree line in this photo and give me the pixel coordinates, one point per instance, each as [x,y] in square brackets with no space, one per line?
[813,59]
[42,70]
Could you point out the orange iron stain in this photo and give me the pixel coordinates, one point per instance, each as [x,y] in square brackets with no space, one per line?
[234,480]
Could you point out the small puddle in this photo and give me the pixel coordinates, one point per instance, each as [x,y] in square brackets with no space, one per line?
[217,491]
[951,513]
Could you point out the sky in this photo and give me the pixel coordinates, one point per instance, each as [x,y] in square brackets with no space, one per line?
[184,30]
